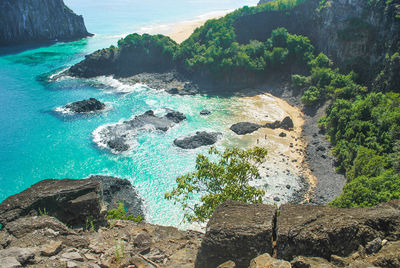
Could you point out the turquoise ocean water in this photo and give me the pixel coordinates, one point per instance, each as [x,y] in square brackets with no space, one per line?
[38,143]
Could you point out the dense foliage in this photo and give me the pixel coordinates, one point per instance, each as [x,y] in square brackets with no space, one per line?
[121,214]
[226,178]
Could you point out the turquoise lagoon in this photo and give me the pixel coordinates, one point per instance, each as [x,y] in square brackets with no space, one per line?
[37,143]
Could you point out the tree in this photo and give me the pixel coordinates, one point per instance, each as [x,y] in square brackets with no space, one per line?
[226,178]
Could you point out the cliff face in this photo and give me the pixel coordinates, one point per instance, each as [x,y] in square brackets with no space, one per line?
[355,33]
[32,21]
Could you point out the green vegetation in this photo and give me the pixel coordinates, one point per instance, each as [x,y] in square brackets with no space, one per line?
[121,214]
[226,178]
[89,226]
[43,212]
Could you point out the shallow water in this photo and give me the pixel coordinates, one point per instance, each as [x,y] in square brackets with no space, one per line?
[37,142]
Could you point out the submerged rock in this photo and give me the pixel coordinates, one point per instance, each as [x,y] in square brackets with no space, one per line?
[205,112]
[244,128]
[202,138]
[119,137]
[85,106]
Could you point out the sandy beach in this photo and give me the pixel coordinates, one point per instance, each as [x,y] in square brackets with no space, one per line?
[180,31]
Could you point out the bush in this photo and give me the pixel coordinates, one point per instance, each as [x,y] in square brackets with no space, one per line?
[121,214]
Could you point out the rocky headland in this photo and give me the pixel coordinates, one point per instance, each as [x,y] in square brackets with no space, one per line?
[32,22]
[267,236]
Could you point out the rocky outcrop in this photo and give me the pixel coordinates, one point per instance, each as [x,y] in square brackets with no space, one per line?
[119,138]
[286,123]
[202,138]
[70,201]
[33,21]
[322,231]
[244,128]
[85,106]
[120,244]
[237,232]
[117,190]
[356,34]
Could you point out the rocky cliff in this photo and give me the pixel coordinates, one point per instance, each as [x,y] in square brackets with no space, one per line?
[237,235]
[356,34]
[34,21]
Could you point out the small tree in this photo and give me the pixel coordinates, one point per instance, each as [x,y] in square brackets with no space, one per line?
[227,178]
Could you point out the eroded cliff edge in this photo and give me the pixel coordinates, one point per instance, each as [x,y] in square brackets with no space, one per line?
[34,21]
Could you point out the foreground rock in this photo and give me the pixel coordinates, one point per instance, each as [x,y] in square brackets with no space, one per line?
[85,106]
[322,231]
[244,128]
[33,21]
[120,137]
[70,201]
[237,232]
[202,138]
[125,243]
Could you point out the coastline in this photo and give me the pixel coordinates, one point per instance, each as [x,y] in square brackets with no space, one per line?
[180,31]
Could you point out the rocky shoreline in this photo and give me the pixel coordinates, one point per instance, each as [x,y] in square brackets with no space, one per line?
[268,236]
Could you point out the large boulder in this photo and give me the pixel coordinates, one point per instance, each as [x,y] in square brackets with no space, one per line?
[71,201]
[201,138]
[244,128]
[322,231]
[85,106]
[286,123]
[238,232]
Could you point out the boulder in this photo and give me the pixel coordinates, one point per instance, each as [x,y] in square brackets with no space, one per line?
[266,261]
[22,255]
[282,134]
[70,201]
[25,225]
[51,249]
[244,128]
[388,256]
[202,138]
[205,112]
[311,262]
[117,190]
[175,116]
[85,106]
[237,232]
[322,231]
[286,123]
[10,262]
[228,264]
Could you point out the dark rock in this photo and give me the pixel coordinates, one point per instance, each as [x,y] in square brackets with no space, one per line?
[388,256]
[86,106]
[205,112]
[175,116]
[277,199]
[118,137]
[237,232]
[173,90]
[33,21]
[70,201]
[310,262]
[117,190]
[373,246]
[244,128]
[282,134]
[321,148]
[286,123]
[202,138]
[321,231]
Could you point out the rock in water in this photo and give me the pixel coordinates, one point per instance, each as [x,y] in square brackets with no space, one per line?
[85,106]
[33,21]
[200,139]
[119,137]
[244,128]
[205,112]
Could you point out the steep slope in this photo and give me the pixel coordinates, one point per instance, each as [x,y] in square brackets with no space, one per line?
[33,21]
[356,34]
